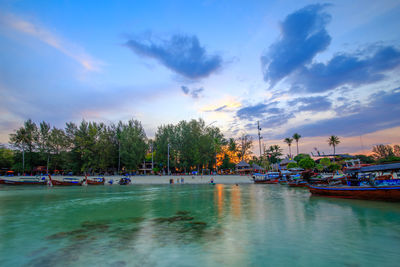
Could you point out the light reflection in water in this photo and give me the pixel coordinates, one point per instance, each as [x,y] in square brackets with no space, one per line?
[219,199]
[236,201]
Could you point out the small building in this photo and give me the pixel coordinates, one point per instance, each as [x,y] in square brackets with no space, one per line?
[145,168]
[257,168]
[243,167]
[285,162]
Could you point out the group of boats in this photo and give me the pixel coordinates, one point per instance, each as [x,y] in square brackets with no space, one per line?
[61,180]
[375,182]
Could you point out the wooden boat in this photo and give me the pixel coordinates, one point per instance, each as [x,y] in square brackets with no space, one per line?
[124,181]
[268,178]
[297,184]
[25,180]
[388,193]
[95,181]
[67,181]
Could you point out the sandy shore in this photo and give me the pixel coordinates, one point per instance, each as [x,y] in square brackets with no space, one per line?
[154,179]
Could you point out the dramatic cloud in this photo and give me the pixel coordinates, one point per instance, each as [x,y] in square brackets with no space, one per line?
[195,93]
[303,35]
[257,111]
[381,113]
[347,69]
[276,120]
[314,103]
[40,33]
[182,54]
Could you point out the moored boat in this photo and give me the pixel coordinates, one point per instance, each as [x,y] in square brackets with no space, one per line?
[24,180]
[95,181]
[268,178]
[297,183]
[66,181]
[389,193]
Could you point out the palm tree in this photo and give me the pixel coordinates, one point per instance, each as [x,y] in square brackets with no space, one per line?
[333,141]
[289,141]
[297,137]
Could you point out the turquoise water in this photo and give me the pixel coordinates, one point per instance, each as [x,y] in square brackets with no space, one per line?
[193,225]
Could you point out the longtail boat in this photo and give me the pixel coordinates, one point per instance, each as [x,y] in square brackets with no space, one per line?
[25,180]
[268,178]
[95,181]
[67,181]
[389,192]
[298,183]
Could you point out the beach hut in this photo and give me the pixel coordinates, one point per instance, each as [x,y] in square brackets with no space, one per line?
[285,162]
[257,168]
[243,167]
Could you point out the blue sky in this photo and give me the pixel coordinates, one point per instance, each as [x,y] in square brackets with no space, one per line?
[316,68]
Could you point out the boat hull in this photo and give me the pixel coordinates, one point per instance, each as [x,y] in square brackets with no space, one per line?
[65,183]
[92,182]
[388,193]
[297,184]
[266,181]
[13,182]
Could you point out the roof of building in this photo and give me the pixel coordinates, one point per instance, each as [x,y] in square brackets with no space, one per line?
[243,164]
[256,167]
[287,161]
[382,167]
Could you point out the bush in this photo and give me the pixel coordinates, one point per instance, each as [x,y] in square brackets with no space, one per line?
[325,162]
[334,167]
[301,156]
[292,165]
[307,163]
[320,167]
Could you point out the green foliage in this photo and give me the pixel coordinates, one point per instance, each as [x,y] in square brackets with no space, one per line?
[297,137]
[325,162]
[227,164]
[334,167]
[292,165]
[389,159]
[133,144]
[301,156]
[192,144]
[320,167]
[273,153]
[365,159]
[333,141]
[307,163]
[6,158]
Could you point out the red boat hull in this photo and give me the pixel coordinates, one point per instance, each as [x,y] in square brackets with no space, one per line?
[12,182]
[297,185]
[56,182]
[266,181]
[388,193]
[91,182]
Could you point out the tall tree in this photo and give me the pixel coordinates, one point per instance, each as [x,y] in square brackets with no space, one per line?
[297,137]
[289,141]
[25,139]
[273,153]
[382,151]
[133,145]
[333,141]
[245,145]
[43,142]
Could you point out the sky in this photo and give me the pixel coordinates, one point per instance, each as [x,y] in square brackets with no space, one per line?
[308,67]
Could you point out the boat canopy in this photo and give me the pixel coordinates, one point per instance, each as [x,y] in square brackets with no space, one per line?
[375,168]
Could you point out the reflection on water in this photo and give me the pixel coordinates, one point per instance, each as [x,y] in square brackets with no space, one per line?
[194,225]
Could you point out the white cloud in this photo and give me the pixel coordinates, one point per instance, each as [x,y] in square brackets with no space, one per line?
[75,52]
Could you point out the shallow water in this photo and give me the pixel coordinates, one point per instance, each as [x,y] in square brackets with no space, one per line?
[193,225]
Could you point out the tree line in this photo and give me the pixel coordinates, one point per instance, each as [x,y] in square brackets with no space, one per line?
[91,147]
